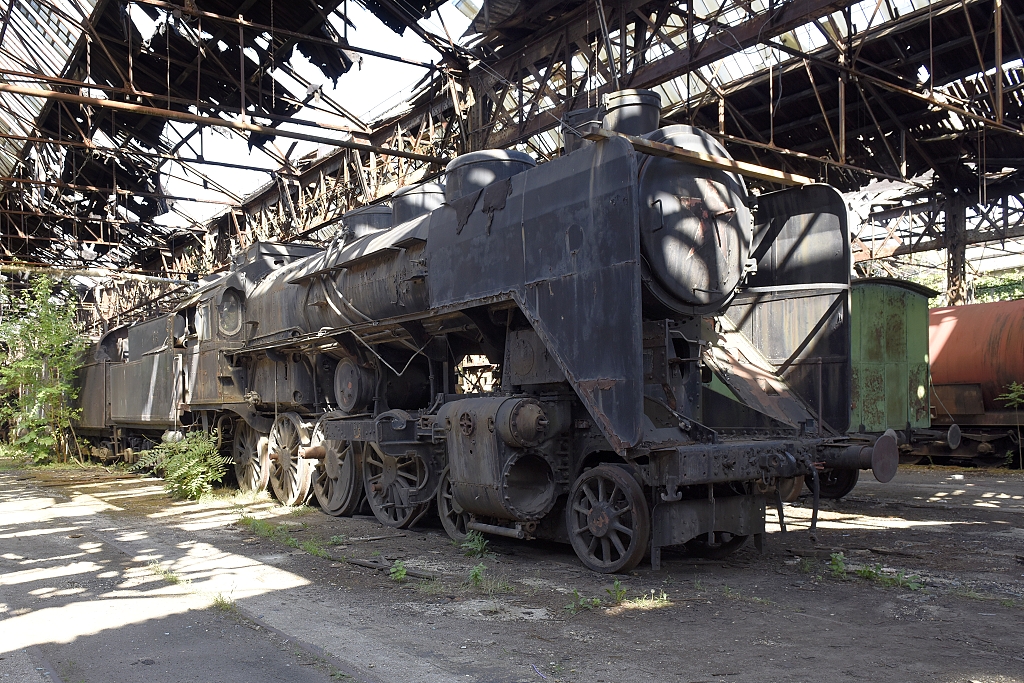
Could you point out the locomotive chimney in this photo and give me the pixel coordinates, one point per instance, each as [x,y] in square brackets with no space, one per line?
[633,112]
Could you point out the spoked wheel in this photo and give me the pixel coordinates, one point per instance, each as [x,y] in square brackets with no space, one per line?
[835,483]
[250,454]
[338,482]
[290,475]
[723,545]
[390,483]
[608,520]
[453,518]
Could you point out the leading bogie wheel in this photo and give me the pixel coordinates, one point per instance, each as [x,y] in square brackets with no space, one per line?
[338,480]
[250,454]
[453,518]
[607,518]
[290,475]
[390,483]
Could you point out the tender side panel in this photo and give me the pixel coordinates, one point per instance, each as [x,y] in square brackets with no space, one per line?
[146,391]
[93,396]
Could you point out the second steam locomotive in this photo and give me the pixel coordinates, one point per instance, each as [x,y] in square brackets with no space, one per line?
[663,349]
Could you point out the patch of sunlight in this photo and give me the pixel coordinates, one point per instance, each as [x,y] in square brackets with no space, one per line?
[39,532]
[28,575]
[645,603]
[94,504]
[55,558]
[133,536]
[801,517]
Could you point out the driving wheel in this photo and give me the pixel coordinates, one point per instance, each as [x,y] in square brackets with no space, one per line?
[249,452]
[390,483]
[608,520]
[290,475]
[337,482]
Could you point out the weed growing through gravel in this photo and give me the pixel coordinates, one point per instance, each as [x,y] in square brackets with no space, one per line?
[313,547]
[806,566]
[580,603]
[837,565]
[166,574]
[475,544]
[899,580]
[655,601]
[431,587]
[222,603]
[279,533]
[476,575]
[340,539]
[617,592]
[496,584]
[398,571]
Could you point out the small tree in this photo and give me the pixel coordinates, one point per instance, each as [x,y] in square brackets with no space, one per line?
[42,350]
[1014,398]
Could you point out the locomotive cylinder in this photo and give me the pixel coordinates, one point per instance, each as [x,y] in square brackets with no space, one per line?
[492,473]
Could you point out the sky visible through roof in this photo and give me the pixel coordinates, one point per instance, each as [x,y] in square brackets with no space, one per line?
[368,90]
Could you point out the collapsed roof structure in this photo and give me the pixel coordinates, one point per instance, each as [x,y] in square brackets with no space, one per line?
[912,106]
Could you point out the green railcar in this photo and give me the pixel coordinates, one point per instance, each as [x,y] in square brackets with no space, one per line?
[889,353]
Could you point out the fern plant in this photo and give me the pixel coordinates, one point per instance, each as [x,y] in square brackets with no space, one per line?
[190,467]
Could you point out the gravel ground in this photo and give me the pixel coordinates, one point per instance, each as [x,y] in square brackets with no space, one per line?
[103,578]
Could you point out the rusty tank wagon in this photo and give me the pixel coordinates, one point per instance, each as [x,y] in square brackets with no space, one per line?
[661,348]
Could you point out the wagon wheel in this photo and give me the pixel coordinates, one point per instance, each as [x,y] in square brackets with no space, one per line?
[835,483]
[790,488]
[453,518]
[249,452]
[390,483]
[290,475]
[337,481]
[723,545]
[607,518]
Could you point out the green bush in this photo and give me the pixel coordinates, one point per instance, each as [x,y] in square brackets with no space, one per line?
[190,467]
[40,351]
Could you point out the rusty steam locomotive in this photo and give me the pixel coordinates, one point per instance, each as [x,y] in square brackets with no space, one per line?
[664,348]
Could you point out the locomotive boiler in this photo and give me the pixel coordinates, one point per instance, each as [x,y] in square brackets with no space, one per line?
[662,348]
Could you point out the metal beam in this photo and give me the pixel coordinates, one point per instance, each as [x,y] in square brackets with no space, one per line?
[211,121]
